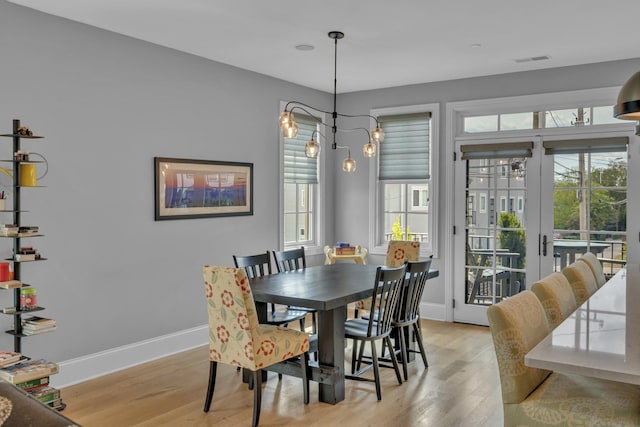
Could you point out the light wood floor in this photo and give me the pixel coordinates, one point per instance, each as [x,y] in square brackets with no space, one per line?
[460,388]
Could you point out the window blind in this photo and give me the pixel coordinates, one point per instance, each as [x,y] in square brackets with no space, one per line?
[298,168]
[404,153]
[496,150]
[592,145]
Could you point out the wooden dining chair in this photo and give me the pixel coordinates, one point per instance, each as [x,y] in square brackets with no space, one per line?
[596,267]
[290,260]
[556,295]
[259,265]
[386,295]
[398,251]
[406,322]
[537,397]
[236,338]
[581,279]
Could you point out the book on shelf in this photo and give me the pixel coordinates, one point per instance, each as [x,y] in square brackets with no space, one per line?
[9,357]
[11,284]
[38,322]
[32,384]
[55,403]
[29,370]
[28,331]
[45,393]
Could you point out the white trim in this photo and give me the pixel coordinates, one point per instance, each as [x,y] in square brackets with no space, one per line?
[432,311]
[434,153]
[319,209]
[95,365]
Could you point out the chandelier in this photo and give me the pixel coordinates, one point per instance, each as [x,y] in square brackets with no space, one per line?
[312,148]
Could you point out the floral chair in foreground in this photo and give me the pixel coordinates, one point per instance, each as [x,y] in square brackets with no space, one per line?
[536,397]
[236,338]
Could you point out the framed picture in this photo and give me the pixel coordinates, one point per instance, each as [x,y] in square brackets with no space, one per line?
[202,188]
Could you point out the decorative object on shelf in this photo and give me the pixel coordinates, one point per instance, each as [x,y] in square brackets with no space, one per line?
[312,149]
[202,188]
[28,299]
[628,105]
[23,131]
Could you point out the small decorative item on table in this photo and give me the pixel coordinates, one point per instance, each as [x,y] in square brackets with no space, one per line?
[343,248]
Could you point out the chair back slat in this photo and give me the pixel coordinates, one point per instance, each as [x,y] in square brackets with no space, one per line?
[255,265]
[289,260]
[386,295]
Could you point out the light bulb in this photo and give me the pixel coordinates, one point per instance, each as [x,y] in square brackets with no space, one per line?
[369,150]
[312,149]
[377,134]
[349,165]
[286,117]
[291,130]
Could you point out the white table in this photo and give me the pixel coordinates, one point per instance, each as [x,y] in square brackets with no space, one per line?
[600,339]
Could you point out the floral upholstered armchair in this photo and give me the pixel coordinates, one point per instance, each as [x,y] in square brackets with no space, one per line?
[236,338]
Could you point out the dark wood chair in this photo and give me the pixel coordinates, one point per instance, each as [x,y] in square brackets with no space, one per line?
[290,260]
[406,323]
[260,265]
[385,296]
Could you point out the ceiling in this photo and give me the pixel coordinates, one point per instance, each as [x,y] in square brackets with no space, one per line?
[386,43]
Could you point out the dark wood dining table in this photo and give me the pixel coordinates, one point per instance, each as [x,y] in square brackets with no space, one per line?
[328,289]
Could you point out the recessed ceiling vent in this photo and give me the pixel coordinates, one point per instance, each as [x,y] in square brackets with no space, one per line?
[532,58]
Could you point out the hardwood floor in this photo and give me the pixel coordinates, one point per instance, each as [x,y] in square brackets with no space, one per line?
[460,388]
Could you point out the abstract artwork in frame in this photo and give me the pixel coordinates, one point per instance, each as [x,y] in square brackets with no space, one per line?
[202,188]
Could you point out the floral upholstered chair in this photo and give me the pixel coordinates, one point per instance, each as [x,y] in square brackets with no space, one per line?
[236,338]
[398,251]
[556,295]
[536,397]
[596,267]
[581,279]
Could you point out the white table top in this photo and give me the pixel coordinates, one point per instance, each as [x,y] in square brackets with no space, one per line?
[600,339]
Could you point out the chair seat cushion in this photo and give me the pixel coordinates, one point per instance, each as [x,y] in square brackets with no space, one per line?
[574,400]
[277,344]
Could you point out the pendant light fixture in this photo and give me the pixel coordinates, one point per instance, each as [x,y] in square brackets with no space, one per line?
[312,148]
[628,105]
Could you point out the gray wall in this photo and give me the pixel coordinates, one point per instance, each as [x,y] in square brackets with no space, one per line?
[107,105]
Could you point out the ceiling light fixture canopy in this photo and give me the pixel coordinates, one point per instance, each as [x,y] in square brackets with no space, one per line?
[312,149]
[628,105]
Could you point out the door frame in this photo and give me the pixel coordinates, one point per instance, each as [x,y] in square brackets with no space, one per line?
[456,111]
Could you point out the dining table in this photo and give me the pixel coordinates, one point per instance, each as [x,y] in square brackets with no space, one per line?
[567,249]
[327,289]
[600,339]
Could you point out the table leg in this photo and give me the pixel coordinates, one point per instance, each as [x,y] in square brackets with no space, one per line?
[331,351]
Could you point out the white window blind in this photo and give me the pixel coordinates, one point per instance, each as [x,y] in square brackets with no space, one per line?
[404,153]
[298,168]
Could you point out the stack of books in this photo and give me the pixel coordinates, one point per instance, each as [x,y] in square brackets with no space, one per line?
[38,325]
[41,390]
[8,230]
[8,358]
[28,370]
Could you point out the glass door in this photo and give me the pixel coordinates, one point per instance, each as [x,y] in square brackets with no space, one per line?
[522,212]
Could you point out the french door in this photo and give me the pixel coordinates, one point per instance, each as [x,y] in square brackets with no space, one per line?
[524,209]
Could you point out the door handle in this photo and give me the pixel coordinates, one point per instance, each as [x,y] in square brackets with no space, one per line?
[544,245]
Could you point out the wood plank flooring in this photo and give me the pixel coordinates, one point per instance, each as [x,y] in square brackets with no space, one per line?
[460,388]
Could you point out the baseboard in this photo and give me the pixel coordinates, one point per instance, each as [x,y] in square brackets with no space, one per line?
[432,311]
[95,365]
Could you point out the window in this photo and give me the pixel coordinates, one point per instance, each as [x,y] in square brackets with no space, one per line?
[520,204]
[402,181]
[503,204]
[300,182]
[483,203]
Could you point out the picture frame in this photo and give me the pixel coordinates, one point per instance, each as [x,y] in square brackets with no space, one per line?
[188,188]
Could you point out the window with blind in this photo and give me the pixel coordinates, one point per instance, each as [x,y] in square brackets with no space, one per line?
[404,179]
[300,181]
